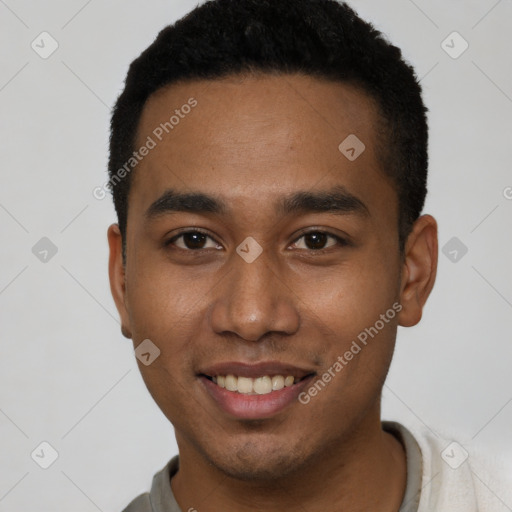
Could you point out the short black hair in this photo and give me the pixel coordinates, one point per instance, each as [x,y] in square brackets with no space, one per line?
[320,38]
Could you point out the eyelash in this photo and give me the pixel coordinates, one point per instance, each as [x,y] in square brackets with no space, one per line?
[342,242]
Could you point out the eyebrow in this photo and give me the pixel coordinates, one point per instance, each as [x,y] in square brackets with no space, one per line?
[336,200]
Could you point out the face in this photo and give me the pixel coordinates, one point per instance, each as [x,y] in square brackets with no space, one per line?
[257,249]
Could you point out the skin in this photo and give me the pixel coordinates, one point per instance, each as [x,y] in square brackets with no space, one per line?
[251,140]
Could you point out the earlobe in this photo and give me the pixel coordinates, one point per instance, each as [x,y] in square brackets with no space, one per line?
[419,270]
[116,272]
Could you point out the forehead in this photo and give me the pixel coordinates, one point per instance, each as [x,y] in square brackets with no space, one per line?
[249,138]
[255,108]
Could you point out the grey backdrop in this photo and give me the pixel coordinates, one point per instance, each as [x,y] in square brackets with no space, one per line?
[68,376]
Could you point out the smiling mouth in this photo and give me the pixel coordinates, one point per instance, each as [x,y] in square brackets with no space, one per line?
[263,385]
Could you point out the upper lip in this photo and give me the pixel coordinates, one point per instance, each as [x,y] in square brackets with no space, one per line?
[255,370]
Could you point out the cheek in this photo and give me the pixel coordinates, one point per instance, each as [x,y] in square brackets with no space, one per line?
[168,307]
[169,391]
[354,312]
[356,352]
[352,296]
[163,299]
[162,310]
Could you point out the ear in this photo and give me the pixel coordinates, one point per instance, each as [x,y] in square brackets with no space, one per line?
[419,270]
[116,274]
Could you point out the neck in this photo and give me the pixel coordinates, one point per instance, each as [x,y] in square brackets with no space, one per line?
[366,471]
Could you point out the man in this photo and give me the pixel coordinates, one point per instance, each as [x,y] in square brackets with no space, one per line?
[268,165]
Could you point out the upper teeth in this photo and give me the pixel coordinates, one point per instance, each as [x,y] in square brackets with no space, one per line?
[248,386]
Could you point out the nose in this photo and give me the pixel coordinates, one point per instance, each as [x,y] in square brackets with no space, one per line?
[254,300]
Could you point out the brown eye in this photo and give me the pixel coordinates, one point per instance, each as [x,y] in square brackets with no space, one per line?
[192,240]
[317,240]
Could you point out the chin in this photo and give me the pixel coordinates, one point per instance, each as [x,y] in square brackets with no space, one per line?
[253,462]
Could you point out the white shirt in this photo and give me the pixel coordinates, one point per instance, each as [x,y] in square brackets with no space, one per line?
[452,480]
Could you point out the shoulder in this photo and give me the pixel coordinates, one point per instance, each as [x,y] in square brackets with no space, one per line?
[458,476]
[140,504]
[160,495]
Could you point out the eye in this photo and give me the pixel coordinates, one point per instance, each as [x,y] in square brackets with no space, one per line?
[317,240]
[193,240]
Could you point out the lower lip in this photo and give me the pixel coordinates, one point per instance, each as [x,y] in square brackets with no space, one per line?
[252,407]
